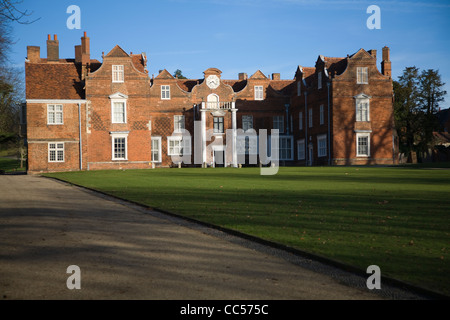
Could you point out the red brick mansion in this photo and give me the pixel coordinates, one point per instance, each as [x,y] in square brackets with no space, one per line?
[85,114]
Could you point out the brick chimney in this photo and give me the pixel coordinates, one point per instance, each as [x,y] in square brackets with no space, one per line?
[276,76]
[386,63]
[85,49]
[52,49]
[373,53]
[243,76]
[78,53]
[34,54]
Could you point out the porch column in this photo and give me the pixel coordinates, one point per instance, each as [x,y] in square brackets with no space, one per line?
[203,111]
[234,127]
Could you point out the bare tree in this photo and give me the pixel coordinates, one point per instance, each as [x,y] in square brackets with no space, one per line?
[9,10]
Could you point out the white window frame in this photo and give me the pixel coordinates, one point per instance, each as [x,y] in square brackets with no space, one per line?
[310,118]
[184,143]
[179,123]
[362,75]
[118,74]
[362,135]
[322,115]
[52,111]
[56,148]
[115,136]
[159,150]
[301,149]
[362,110]
[247,122]
[259,93]
[165,92]
[290,147]
[322,145]
[113,111]
[278,123]
[319,80]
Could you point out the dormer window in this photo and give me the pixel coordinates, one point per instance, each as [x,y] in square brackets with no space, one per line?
[362,75]
[165,92]
[259,93]
[118,74]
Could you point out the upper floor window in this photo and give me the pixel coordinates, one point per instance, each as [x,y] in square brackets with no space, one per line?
[218,125]
[319,80]
[322,115]
[278,123]
[54,114]
[247,123]
[179,123]
[165,92]
[362,107]
[118,74]
[119,112]
[362,75]
[259,93]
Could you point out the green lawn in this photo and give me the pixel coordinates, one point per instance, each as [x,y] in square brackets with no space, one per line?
[11,165]
[396,218]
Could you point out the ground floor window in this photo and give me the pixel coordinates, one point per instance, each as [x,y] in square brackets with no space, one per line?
[322,146]
[286,146]
[119,146]
[156,149]
[178,146]
[363,144]
[55,152]
[301,149]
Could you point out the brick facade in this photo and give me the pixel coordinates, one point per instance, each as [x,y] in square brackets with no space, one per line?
[83,114]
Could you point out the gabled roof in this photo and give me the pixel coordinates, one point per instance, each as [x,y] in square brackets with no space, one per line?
[258,75]
[117,52]
[164,74]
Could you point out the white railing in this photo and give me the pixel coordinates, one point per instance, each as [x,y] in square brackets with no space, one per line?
[224,105]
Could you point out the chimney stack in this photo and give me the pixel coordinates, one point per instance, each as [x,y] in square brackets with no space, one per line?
[386,63]
[85,49]
[33,54]
[243,76]
[373,53]
[52,49]
[276,76]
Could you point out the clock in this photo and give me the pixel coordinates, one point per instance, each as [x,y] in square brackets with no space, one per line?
[212,81]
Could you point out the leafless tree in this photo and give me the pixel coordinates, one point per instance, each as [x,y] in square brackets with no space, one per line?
[9,10]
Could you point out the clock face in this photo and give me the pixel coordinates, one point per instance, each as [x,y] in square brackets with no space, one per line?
[213,81]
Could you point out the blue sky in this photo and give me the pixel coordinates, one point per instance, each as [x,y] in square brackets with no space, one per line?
[274,36]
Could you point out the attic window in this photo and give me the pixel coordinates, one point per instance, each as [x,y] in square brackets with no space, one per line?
[165,92]
[118,74]
[259,93]
[362,76]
